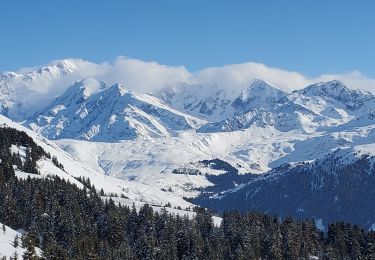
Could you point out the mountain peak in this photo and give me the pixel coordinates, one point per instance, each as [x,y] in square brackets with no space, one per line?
[67,65]
[337,90]
[260,82]
[258,94]
[119,89]
[63,67]
[333,87]
[82,90]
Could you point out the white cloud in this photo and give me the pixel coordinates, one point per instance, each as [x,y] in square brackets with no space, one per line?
[150,77]
[144,76]
[238,76]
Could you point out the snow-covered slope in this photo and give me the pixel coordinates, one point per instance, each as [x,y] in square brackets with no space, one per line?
[147,161]
[74,169]
[92,110]
[7,247]
[256,150]
[204,101]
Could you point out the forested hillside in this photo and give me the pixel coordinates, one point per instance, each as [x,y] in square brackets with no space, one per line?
[338,187]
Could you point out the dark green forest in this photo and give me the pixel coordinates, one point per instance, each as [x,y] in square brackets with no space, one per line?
[71,223]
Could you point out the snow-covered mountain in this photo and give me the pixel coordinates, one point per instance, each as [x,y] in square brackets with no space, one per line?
[189,141]
[92,110]
[215,104]
[149,139]
[336,90]
[259,94]
[273,123]
[22,93]
[316,107]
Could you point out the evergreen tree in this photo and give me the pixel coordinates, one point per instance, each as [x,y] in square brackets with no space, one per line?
[15,242]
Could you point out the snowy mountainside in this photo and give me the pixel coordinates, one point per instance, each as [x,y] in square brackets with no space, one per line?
[337,187]
[23,93]
[7,247]
[92,110]
[75,169]
[159,162]
[154,162]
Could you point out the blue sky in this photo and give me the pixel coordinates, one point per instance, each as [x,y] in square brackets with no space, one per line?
[311,37]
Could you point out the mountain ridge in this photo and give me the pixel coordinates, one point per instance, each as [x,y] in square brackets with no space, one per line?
[107,112]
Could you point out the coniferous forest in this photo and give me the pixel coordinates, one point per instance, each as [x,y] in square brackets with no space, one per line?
[71,223]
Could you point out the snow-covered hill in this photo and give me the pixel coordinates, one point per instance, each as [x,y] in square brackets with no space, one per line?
[8,248]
